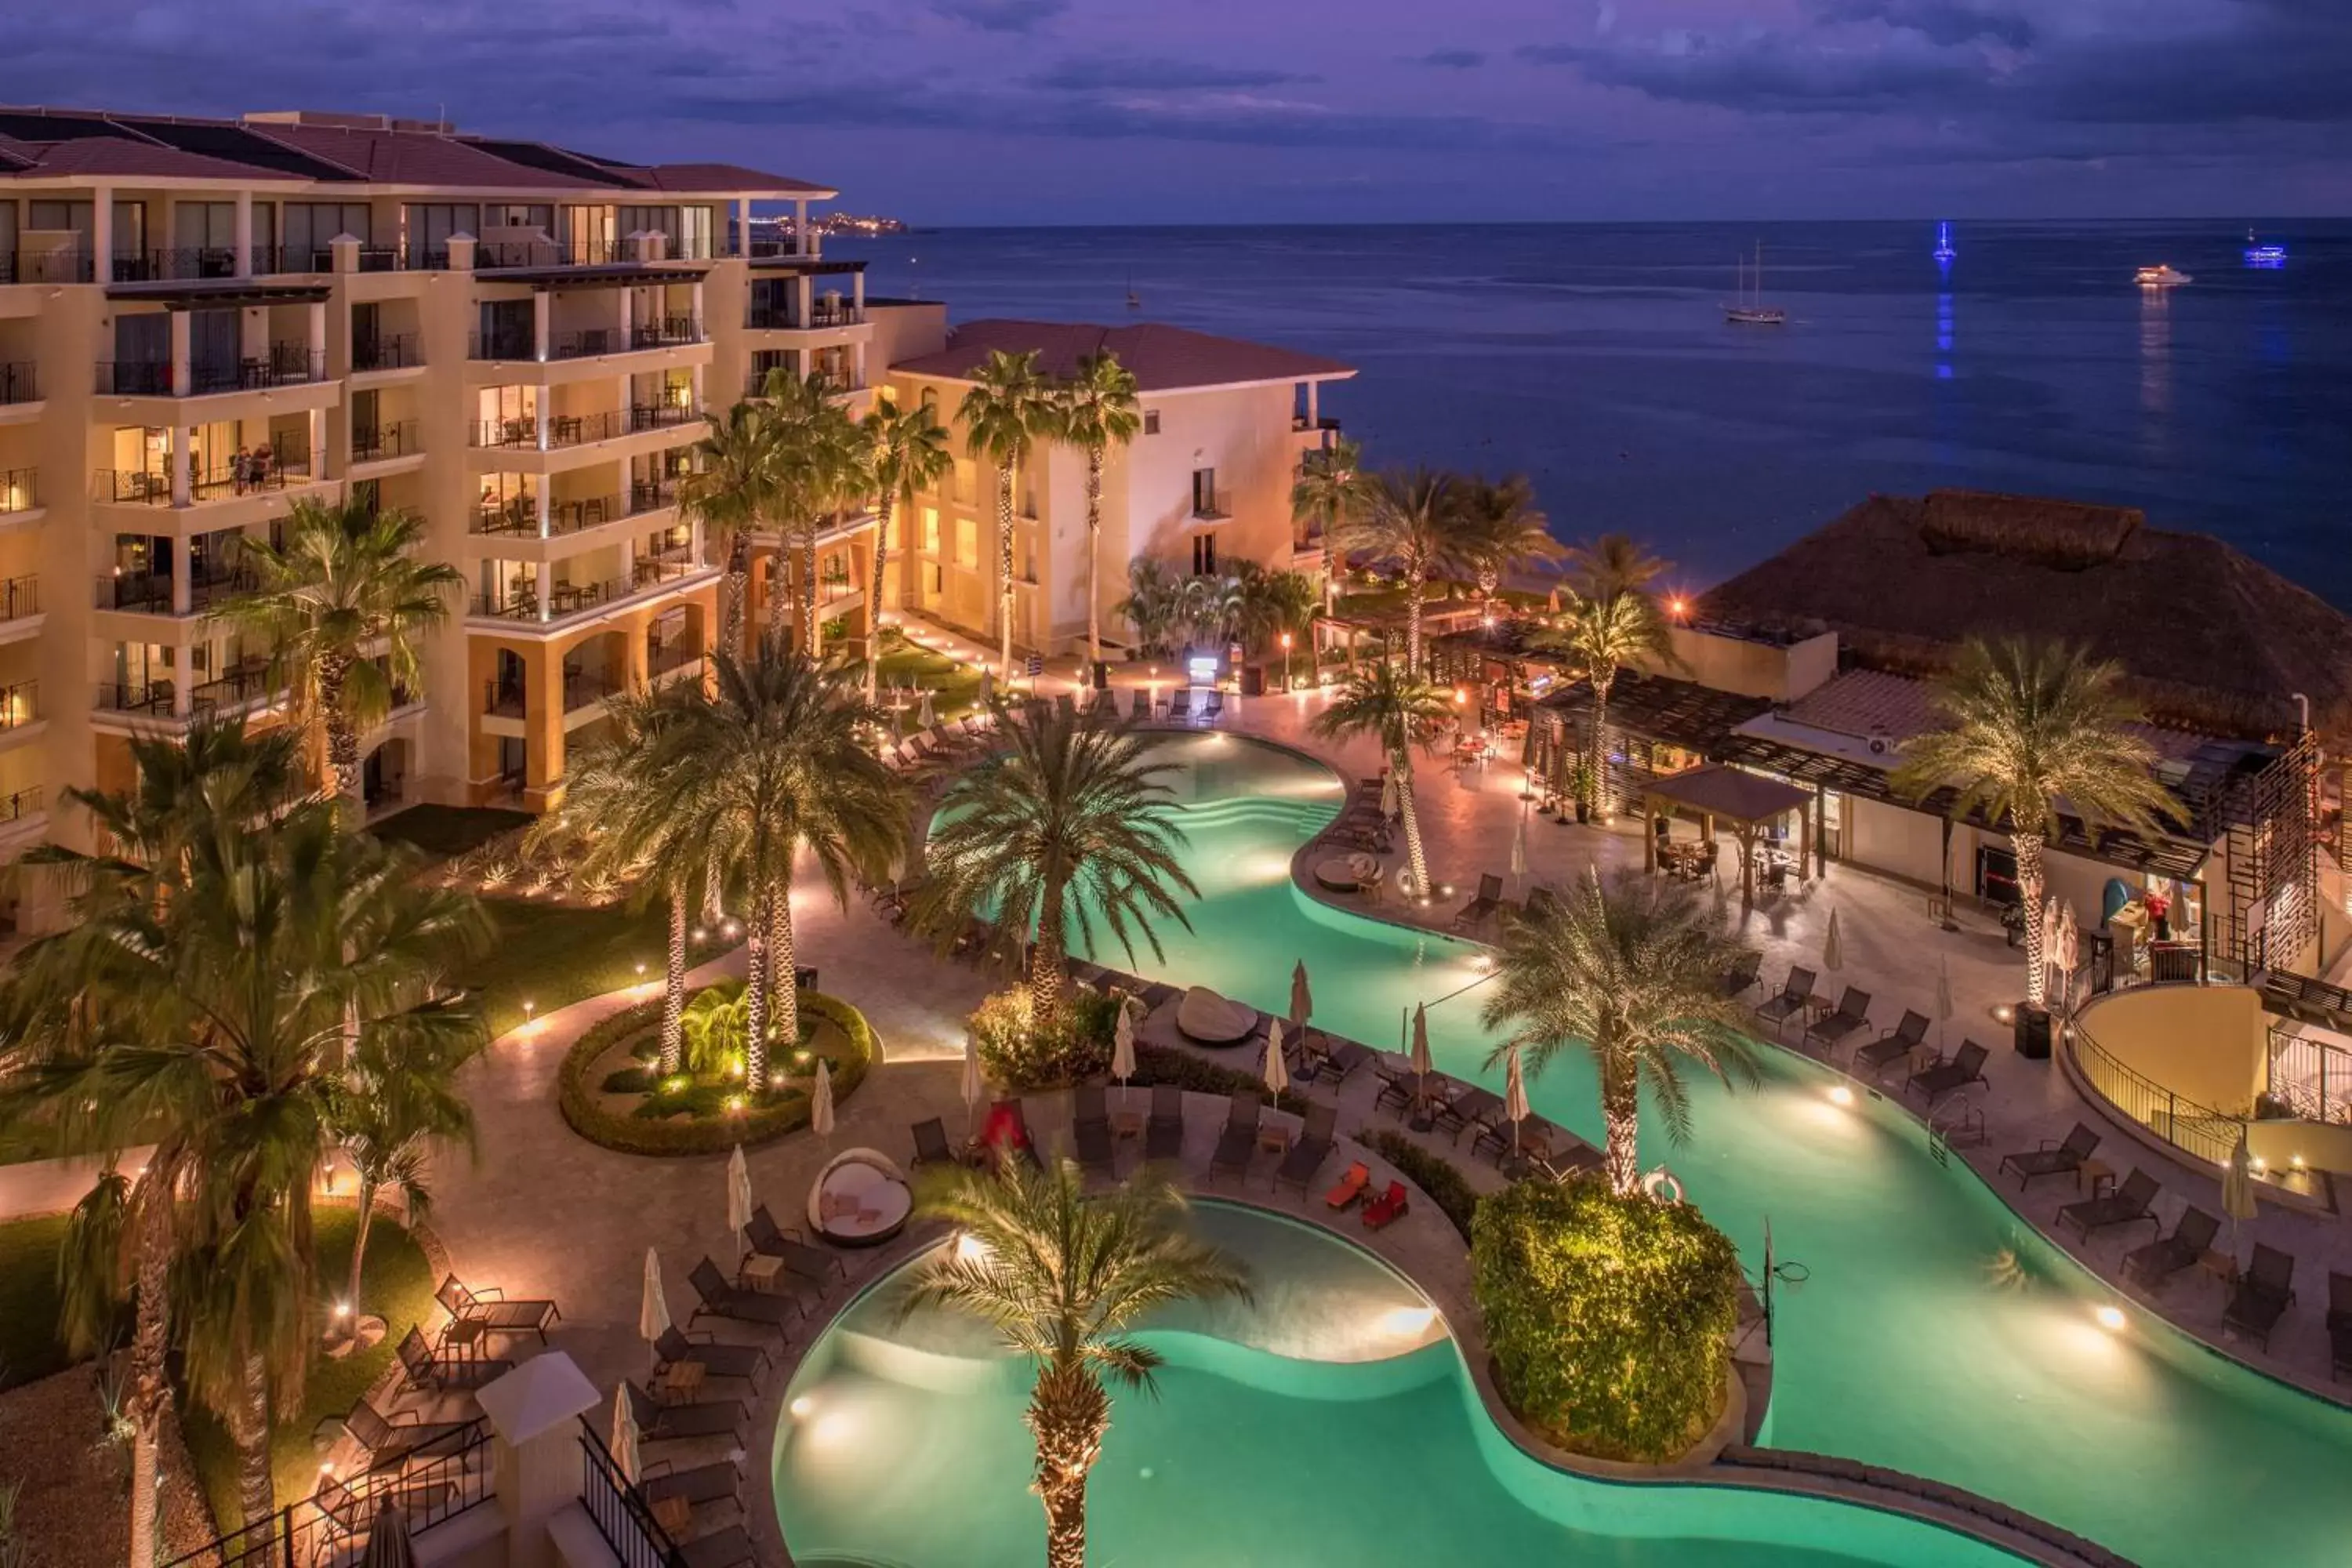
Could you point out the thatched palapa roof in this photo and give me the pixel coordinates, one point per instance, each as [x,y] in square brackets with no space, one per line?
[2211,639]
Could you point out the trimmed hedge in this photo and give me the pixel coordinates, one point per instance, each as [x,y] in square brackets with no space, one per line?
[1447,1187]
[1166,1064]
[576,1097]
[1609,1317]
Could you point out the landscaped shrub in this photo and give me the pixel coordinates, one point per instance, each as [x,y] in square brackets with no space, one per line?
[629,1081]
[1022,1058]
[1166,1064]
[1607,1317]
[1447,1187]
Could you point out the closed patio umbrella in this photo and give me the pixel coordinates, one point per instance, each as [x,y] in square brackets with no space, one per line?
[1302,999]
[739,1195]
[1519,844]
[2070,952]
[625,1433]
[653,1308]
[924,716]
[1278,1071]
[1833,948]
[1122,1048]
[388,1545]
[1515,1096]
[1420,1062]
[1387,795]
[821,1102]
[974,1088]
[2238,1187]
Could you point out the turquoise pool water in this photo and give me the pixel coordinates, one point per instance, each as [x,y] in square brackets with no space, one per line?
[1936,1333]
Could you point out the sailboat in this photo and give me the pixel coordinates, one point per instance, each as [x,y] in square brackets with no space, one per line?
[1751,310]
[1943,251]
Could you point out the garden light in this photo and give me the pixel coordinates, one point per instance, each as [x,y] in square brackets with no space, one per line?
[2110,1318]
[1841,1095]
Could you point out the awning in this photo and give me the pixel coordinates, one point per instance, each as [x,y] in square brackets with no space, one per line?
[1731,794]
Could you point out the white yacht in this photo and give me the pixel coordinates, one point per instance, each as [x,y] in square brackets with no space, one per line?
[2161,275]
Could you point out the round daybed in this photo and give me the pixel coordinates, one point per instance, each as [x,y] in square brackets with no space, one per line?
[1209,1019]
[859,1199]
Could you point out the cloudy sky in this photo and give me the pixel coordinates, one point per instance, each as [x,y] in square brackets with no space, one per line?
[1207,111]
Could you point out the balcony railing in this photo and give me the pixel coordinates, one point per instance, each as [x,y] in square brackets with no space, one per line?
[568,599]
[239,688]
[490,255]
[773,249]
[287,365]
[619,1511]
[668,661]
[21,803]
[395,351]
[502,700]
[150,593]
[834,383]
[18,489]
[20,597]
[451,1474]
[19,704]
[20,381]
[175,264]
[375,443]
[771,318]
[254,475]
[44,267]
[517,345]
[579,429]
[517,516]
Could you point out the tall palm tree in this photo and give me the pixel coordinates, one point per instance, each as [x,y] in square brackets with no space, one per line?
[1398,710]
[1154,605]
[774,763]
[1095,411]
[1063,1276]
[818,472]
[1631,970]
[1008,411]
[345,589]
[1070,824]
[1613,564]
[2030,731]
[731,491]
[1329,490]
[1503,530]
[399,1102]
[1602,635]
[1265,605]
[906,453]
[1409,522]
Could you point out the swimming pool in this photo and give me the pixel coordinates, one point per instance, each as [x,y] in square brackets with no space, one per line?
[1331,1422]
[1937,1333]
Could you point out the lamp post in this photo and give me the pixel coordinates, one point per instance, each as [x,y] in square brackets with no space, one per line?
[1286,662]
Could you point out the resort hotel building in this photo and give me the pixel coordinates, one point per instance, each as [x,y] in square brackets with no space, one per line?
[203,321]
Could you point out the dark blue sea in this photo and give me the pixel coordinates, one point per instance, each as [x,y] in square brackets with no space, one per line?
[1595,359]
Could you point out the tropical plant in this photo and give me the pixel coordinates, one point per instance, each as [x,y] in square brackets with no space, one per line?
[906,453]
[731,489]
[1071,823]
[1602,635]
[1397,710]
[1008,411]
[1266,604]
[344,591]
[1095,411]
[1063,1276]
[774,762]
[1502,530]
[398,1103]
[718,1028]
[1631,970]
[819,469]
[2032,731]
[1019,1057]
[1329,490]
[1154,605]
[1410,523]
[1611,564]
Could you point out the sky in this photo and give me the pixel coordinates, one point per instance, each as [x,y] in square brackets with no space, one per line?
[1180,111]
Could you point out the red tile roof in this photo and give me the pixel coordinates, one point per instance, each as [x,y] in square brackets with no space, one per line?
[414,158]
[699,177]
[1162,358]
[111,155]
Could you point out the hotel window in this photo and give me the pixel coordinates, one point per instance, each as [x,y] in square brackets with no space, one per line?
[425,228]
[588,231]
[1152,422]
[206,231]
[519,214]
[1204,556]
[967,551]
[1205,493]
[311,228]
[930,530]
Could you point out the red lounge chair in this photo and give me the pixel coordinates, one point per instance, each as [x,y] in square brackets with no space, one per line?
[1389,1205]
[1351,1187]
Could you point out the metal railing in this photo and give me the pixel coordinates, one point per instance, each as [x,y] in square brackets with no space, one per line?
[239,688]
[391,351]
[665,661]
[286,364]
[662,416]
[772,318]
[20,381]
[175,263]
[19,491]
[2310,1076]
[19,704]
[21,803]
[568,599]
[152,486]
[327,1527]
[2187,1124]
[666,332]
[150,593]
[45,267]
[20,596]
[518,344]
[492,254]
[619,1511]
[374,443]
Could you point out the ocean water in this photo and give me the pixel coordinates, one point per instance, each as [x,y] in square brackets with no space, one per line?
[1595,359]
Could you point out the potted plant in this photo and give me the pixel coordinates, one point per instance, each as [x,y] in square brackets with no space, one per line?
[1580,781]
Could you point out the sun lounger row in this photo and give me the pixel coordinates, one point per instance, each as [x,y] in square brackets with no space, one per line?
[1932,1076]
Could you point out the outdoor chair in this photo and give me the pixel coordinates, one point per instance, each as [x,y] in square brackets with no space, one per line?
[722,1480]
[1853,1015]
[722,1299]
[489,1308]
[430,1373]
[1745,972]
[1350,1187]
[2261,1297]
[1139,705]
[1399,1087]
[1066,705]
[1389,1206]
[813,1263]
[675,1347]
[1894,1045]
[2192,1236]
[659,1422]
[391,1441]
[932,1143]
[727,1548]
[1179,703]
[1300,1166]
[1795,993]
[1490,896]
[1335,1057]
[1240,1136]
[1090,1128]
[1541,902]
[1213,709]
[2339,1324]
[2053,1159]
[2126,1206]
[1163,1133]
[1967,1067]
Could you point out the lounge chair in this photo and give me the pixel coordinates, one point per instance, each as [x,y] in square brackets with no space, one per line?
[1967,1067]
[1333,1056]
[1389,1206]
[1852,1016]
[1179,703]
[1090,1129]
[1240,1136]
[2340,1324]
[2261,1297]
[2126,1206]
[659,1422]
[721,1300]
[1214,708]
[932,1143]
[430,1373]
[1300,1166]
[677,1348]
[1007,1132]
[1163,1133]
[2192,1236]
[2053,1159]
[1139,705]
[1745,972]
[813,1263]
[1795,991]
[1488,900]
[1351,1186]
[391,1441]
[488,1306]
[1894,1045]
[722,1480]
[727,1548]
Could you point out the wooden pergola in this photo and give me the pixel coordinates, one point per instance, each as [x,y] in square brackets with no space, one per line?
[1747,802]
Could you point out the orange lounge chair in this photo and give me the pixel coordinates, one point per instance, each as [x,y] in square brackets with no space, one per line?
[1389,1205]
[1351,1187]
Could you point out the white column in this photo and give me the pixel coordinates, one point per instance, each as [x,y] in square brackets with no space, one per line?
[243,237]
[539,410]
[542,313]
[626,403]
[184,370]
[857,364]
[183,591]
[543,500]
[318,443]
[804,299]
[743,226]
[801,246]
[857,290]
[1313,404]
[696,306]
[628,316]
[534,1414]
[317,327]
[697,393]
[101,233]
[178,457]
[165,261]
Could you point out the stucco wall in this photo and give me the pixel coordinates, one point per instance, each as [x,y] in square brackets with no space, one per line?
[2205,1043]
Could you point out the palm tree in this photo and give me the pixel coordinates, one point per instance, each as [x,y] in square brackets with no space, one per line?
[1411,522]
[906,453]
[773,763]
[1397,710]
[1154,605]
[1265,605]
[1068,807]
[1063,1276]
[1503,531]
[817,472]
[1329,490]
[731,489]
[1095,411]
[1603,635]
[398,1103]
[2030,731]
[1613,564]
[1009,409]
[343,590]
[1629,969]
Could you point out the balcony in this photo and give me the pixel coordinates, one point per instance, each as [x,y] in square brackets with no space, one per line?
[150,593]
[244,687]
[834,383]
[568,599]
[20,381]
[775,317]
[22,805]
[663,663]
[579,429]
[593,343]
[517,518]
[490,255]
[20,598]
[399,351]
[382,443]
[44,267]
[257,474]
[287,365]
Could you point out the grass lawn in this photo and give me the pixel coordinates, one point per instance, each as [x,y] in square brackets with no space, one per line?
[955,688]
[28,1299]
[445,832]
[554,954]
[397,1288]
